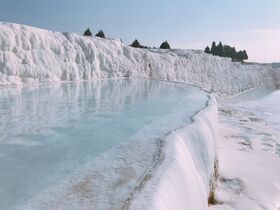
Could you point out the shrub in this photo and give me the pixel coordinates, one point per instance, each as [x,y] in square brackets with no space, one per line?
[136,44]
[227,51]
[207,50]
[100,34]
[87,32]
[165,45]
[213,48]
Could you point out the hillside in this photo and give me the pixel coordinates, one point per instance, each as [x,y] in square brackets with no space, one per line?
[32,55]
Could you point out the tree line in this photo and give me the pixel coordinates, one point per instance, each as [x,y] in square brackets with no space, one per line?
[226,51]
[135,43]
[218,50]
[100,33]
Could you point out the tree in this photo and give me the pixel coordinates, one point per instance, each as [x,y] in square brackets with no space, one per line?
[207,50]
[227,51]
[87,32]
[220,49]
[165,45]
[239,56]
[136,44]
[214,48]
[100,34]
[244,55]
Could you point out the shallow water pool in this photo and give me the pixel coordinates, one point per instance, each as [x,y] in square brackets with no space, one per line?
[48,131]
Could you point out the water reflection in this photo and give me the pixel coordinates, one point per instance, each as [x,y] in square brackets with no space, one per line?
[47,131]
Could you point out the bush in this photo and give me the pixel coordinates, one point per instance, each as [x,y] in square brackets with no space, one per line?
[213,48]
[87,32]
[220,50]
[207,50]
[226,51]
[100,34]
[136,44]
[165,45]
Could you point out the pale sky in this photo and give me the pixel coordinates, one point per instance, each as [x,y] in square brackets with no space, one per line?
[253,25]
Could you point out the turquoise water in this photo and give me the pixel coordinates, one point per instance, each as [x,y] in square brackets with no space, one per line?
[46,132]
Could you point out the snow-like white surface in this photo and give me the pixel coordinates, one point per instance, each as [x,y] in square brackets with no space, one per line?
[250,152]
[79,145]
[32,55]
[178,173]
[182,181]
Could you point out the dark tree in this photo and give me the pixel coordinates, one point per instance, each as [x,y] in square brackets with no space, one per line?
[239,56]
[233,52]
[227,51]
[136,44]
[220,49]
[207,50]
[165,45]
[214,48]
[87,32]
[100,34]
[244,55]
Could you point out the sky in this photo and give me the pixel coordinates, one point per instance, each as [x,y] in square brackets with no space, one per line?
[253,25]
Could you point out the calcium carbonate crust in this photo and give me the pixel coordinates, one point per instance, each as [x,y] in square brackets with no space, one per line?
[30,55]
[184,166]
